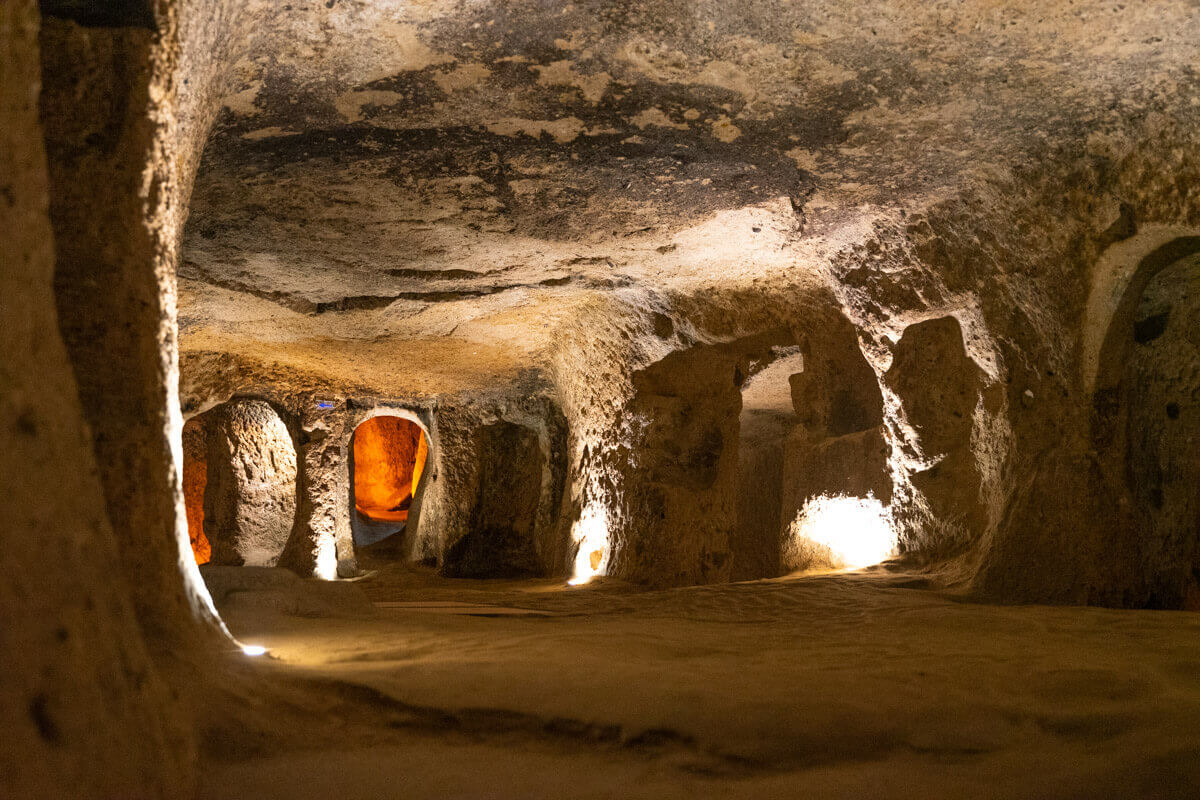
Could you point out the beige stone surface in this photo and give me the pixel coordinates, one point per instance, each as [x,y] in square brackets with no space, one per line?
[565,238]
[839,685]
[83,710]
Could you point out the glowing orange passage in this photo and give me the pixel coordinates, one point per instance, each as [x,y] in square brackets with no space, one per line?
[195,479]
[389,456]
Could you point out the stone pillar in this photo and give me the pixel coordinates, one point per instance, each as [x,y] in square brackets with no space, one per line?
[84,712]
[939,386]
[321,543]
[108,111]
[680,471]
[250,497]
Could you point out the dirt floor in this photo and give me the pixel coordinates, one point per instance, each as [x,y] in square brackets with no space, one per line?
[860,684]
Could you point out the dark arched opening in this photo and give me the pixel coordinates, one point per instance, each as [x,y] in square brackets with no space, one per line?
[1146,425]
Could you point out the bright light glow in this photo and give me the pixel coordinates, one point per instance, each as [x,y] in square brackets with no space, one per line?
[326,566]
[591,534]
[840,532]
[254,650]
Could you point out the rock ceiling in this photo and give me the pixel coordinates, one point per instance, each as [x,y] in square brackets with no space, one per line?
[442,185]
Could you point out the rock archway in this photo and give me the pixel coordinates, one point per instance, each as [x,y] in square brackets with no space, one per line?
[195,482]
[836,480]
[1162,392]
[1146,425]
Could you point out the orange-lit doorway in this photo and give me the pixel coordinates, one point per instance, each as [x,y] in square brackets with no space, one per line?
[195,481]
[389,457]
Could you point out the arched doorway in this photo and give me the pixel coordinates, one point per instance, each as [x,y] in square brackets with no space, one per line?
[1146,424]
[1162,383]
[195,482]
[389,458]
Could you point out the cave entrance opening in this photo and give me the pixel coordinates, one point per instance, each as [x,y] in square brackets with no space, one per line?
[389,457]
[835,480]
[766,419]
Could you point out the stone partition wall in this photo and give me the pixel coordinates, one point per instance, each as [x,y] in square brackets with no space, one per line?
[107,105]
[678,462]
[939,387]
[320,543]
[83,709]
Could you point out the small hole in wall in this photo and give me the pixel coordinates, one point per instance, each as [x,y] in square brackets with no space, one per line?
[1173,410]
[1148,329]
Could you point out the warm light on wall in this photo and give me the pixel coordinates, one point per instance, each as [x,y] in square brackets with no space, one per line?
[195,480]
[389,457]
[840,532]
[590,532]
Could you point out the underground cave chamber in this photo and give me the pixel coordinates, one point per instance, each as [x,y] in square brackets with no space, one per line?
[545,372]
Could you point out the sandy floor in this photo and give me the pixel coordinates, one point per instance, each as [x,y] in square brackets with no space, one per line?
[851,685]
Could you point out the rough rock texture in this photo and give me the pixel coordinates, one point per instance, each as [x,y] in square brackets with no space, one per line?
[678,500]
[107,106]
[502,208]
[564,236]
[1163,388]
[500,541]
[321,543]
[83,710]
[939,386]
[250,498]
